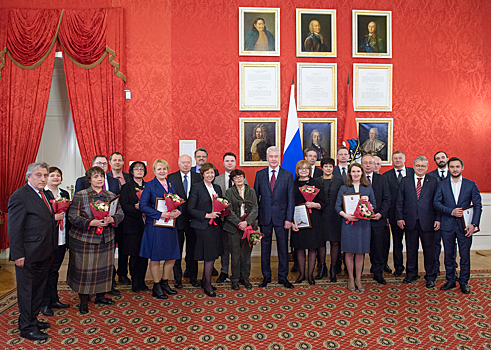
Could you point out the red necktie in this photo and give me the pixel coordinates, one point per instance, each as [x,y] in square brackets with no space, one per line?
[273,180]
[44,199]
[418,187]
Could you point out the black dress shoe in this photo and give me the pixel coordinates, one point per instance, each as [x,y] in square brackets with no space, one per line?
[166,288]
[124,280]
[247,284]
[430,284]
[194,283]
[157,291]
[332,274]
[448,285]
[83,309]
[114,292]
[135,286]
[265,282]
[300,279]
[210,294]
[286,284]
[46,311]
[178,285]
[380,280]
[43,325]
[398,273]
[235,286]
[202,284]
[222,278]
[143,287]
[34,335]
[465,289]
[312,281]
[103,301]
[387,269]
[408,280]
[322,272]
[59,305]
[214,272]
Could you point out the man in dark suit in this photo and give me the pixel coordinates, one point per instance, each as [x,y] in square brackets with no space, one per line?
[31,229]
[341,170]
[184,179]
[116,161]
[452,196]
[416,215]
[395,176]
[111,184]
[201,157]
[310,155]
[275,197]
[440,173]
[380,238]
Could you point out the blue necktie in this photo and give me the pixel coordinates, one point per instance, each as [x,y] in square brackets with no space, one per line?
[185,183]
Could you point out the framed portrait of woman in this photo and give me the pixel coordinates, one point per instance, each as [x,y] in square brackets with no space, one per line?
[256,135]
[316,33]
[259,31]
[319,134]
[372,34]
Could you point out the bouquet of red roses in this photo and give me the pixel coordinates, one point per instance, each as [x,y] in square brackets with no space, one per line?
[364,210]
[172,201]
[253,237]
[100,210]
[309,193]
[219,205]
[60,205]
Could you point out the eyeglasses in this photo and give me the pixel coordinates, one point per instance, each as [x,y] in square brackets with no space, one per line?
[421,166]
[138,169]
[303,168]
[100,163]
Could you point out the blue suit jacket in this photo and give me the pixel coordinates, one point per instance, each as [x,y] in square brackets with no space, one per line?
[409,207]
[153,190]
[82,184]
[394,191]
[277,206]
[445,202]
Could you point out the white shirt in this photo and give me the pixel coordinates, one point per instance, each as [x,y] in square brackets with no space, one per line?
[416,181]
[456,188]
[211,191]
[35,190]
[189,182]
[61,233]
[242,207]
[403,171]
[370,176]
[270,172]
[341,169]
[445,171]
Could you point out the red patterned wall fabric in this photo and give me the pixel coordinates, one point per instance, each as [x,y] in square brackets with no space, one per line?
[182,68]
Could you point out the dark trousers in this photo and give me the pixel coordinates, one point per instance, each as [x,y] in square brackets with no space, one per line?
[225,257]
[281,247]
[387,248]
[438,250]
[50,295]
[189,235]
[240,255]
[31,284]
[138,267]
[412,246]
[379,242]
[122,264]
[449,238]
[397,236]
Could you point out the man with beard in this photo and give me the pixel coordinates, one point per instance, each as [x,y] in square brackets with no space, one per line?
[452,196]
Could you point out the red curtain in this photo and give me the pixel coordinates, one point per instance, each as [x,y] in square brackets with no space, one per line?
[95,88]
[25,94]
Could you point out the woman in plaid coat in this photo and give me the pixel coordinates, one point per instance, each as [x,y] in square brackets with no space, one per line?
[91,261]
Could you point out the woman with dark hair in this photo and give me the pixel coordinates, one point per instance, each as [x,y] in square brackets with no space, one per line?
[91,262]
[159,243]
[133,225]
[308,238]
[355,234]
[260,143]
[259,38]
[243,201]
[330,218]
[206,223]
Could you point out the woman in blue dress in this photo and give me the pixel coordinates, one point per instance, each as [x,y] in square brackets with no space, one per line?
[159,243]
[355,233]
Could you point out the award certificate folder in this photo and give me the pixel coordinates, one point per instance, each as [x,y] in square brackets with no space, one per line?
[301,217]
[160,206]
[350,202]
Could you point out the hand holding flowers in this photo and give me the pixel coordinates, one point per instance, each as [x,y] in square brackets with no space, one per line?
[60,206]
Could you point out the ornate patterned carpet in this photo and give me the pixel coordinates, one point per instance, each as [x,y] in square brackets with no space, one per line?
[325,316]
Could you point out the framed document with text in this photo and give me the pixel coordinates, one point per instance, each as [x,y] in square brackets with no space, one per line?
[317,87]
[162,207]
[372,90]
[259,86]
[301,217]
[467,217]
[113,205]
[350,202]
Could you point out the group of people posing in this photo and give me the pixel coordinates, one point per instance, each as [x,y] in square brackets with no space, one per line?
[407,201]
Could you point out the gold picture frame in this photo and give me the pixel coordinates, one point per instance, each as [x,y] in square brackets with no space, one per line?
[256,135]
[308,43]
[248,34]
[311,129]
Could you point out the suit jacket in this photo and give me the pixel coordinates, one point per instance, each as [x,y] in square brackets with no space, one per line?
[220,181]
[394,191]
[337,173]
[445,202]
[436,174]
[232,220]
[127,177]
[31,226]
[64,194]
[278,206]
[409,208]
[193,170]
[193,178]
[82,184]
[381,191]
[317,173]
[200,204]
[133,220]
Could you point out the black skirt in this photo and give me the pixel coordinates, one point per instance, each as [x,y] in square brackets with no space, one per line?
[208,243]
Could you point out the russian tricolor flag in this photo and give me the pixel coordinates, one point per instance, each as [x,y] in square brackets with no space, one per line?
[293,145]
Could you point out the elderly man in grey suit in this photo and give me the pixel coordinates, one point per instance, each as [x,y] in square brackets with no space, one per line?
[225,182]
